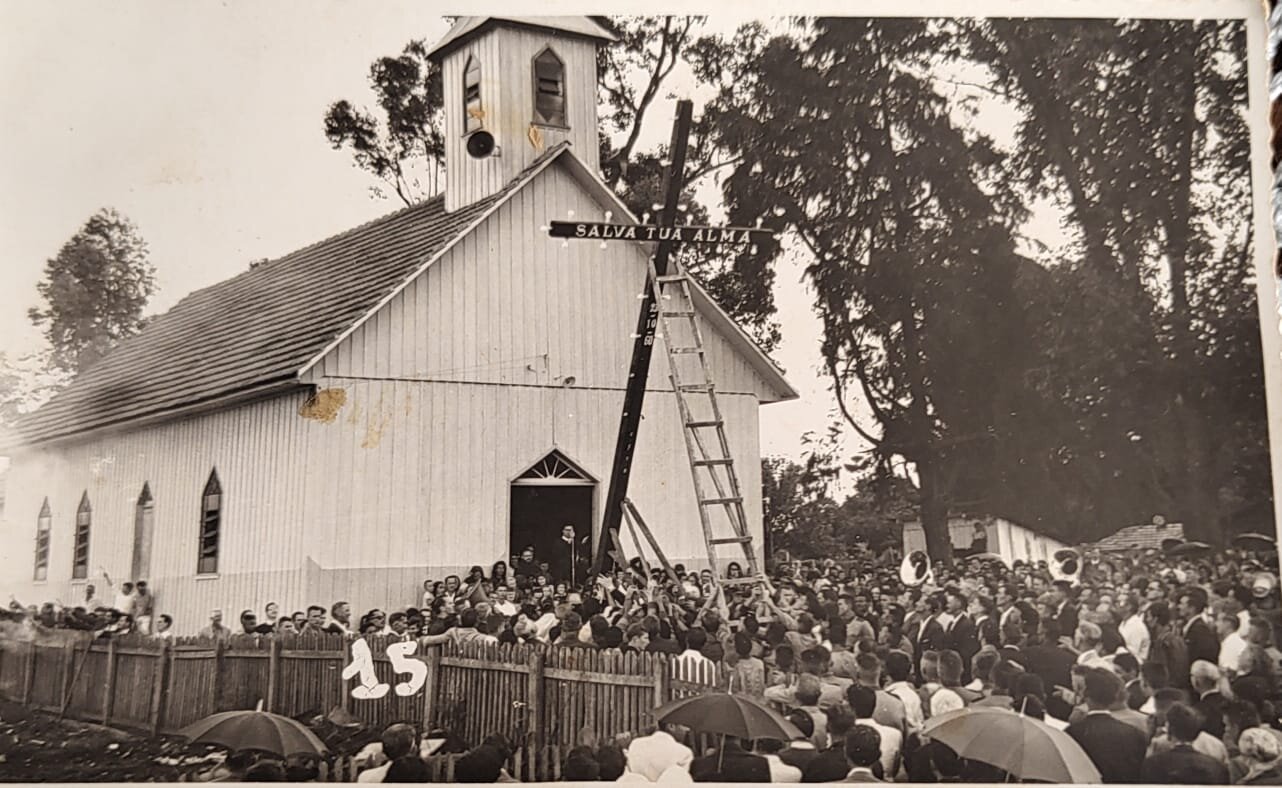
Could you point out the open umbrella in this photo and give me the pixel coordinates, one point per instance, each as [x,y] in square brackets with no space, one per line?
[729,715]
[255,730]
[1190,548]
[1254,541]
[1025,748]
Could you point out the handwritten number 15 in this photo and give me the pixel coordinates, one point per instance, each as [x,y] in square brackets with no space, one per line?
[399,654]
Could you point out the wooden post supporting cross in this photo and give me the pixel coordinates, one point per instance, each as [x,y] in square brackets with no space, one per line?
[667,233]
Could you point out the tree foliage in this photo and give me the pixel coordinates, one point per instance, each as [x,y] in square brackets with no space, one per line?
[1104,382]
[94,291]
[403,146]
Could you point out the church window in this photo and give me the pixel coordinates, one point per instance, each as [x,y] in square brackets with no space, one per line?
[211,518]
[43,523]
[472,114]
[549,89]
[80,551]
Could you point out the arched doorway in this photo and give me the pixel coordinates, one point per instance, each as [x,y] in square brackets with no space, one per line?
[551,494]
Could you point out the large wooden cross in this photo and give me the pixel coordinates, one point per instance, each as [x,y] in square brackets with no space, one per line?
[667,233]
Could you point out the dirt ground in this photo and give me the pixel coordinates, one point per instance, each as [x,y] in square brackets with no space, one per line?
[36,747]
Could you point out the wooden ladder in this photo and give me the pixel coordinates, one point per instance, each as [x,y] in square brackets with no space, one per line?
[716,485]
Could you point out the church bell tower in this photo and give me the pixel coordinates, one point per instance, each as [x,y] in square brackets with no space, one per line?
[514,87]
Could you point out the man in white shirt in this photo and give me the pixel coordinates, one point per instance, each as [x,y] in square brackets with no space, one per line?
[1232,644]
[501,603]
[692,660]
[863,701]
[1133,630]
[399,740]
[898,668]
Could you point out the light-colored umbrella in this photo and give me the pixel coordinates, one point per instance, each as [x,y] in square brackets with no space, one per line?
[729,715]
[1025,748]
[255,730]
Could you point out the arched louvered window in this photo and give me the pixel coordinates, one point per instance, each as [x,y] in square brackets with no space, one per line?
[472,113]
[80,551]
[549,89]
[144,519]
[44,521]
[211,521]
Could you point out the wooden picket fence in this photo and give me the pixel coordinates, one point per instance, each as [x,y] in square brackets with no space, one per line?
[543,700]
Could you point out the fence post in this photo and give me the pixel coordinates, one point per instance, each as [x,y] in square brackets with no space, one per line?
[160,679]
[68,672]
[534,703]
[662,685]
[109,694]
[344,654]
[433,662]
[273,674]
[218,673]
[29,673]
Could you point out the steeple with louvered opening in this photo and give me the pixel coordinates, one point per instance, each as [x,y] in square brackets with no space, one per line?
[527,82]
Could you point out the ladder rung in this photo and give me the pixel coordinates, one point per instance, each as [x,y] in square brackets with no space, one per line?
[733,540]
[709,423]
[690,349]
[719,501]
[672,278]
[678,313]
[716,461]
[692,387]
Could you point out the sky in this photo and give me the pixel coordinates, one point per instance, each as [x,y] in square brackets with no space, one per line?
[209,137]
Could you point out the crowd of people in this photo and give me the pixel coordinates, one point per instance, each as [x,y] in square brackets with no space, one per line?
[1163,668]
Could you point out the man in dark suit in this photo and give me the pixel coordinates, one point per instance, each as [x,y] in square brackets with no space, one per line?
[1065,610]
[1182,765]
[1116,748]
[1048,658]
[960,635]
[930,634]
[1210,703]
[863,750]
[731,764]
[830,765]
[570,558]
[1199,635]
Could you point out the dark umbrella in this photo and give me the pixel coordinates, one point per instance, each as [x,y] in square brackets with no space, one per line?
[729,715]
[1254,541]
[1190,548]
[255,730]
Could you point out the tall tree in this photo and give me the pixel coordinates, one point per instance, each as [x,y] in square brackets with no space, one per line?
[839,130]
[1137,130]
[405,146]
[94,291]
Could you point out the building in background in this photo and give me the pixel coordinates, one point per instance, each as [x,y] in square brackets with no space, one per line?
[434,389]
[1000,536]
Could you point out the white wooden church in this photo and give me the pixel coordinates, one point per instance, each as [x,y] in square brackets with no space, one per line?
[428,391]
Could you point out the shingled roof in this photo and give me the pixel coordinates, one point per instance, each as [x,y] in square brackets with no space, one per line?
[1141,536]
[259,329]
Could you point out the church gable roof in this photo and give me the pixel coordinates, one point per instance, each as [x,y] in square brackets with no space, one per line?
[472,25]
[259,328]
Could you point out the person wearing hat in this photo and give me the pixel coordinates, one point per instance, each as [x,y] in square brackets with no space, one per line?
[1065,613]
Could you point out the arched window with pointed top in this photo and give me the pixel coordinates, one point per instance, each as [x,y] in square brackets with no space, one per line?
[211,520]
[44,522]
[473,115]
[549,88]
[80,551]
[144,520]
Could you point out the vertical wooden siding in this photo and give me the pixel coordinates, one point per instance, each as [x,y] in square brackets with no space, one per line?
[507,98]
[259,451]
[510,305]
